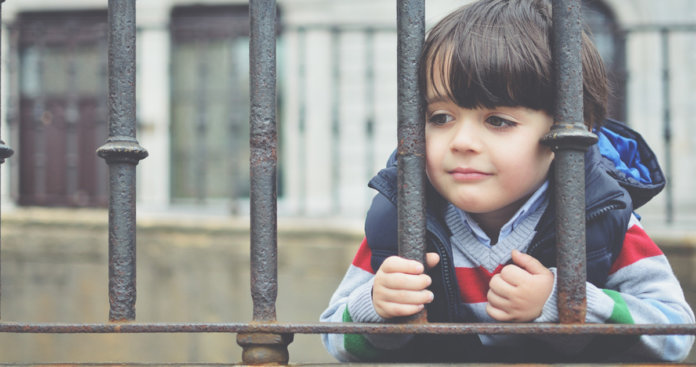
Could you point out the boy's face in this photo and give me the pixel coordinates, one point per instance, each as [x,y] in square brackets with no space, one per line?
[485,161]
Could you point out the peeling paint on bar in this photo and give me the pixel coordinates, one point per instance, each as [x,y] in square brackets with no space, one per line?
[263,348]
[122,153]
[263,145]
[352,328]
[411,132]
[411,136]
[569,139]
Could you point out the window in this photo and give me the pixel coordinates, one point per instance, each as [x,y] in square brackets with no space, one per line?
[61,91]
[210,104]
[606,36]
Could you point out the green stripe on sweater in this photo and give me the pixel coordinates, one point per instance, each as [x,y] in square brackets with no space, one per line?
[356,344]
[620,314]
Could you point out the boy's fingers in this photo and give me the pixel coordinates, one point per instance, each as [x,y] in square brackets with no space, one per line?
[406,281]
[496,300]
[394,303]
[398,310]
[408,297]
[496,313]
[396,264]
[514,275]
[528,263]
[431,259]
[500,286]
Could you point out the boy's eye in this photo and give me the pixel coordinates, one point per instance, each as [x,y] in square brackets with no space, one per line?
[440,118]
[499,122]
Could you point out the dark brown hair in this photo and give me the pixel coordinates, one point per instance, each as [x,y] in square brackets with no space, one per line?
[498,53]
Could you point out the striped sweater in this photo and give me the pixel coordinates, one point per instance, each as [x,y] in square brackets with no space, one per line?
[641,289]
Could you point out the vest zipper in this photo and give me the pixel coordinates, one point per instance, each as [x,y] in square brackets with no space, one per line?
[598,213]
[447,279]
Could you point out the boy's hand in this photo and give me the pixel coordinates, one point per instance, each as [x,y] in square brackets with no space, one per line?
[399,287]
[519,291]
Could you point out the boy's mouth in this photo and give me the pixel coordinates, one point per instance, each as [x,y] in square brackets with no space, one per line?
[468,174]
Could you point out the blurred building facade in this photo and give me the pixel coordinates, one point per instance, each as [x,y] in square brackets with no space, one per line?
[336,100]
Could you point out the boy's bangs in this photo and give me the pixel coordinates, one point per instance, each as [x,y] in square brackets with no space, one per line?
[489,67]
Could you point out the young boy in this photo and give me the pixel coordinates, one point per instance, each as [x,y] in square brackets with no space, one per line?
[486,72]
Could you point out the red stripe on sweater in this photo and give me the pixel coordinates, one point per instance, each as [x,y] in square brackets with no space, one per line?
[473,283]
[636,246]
[362,258]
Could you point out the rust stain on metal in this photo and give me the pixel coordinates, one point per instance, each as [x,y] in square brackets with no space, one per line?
[265,348]
[353,328]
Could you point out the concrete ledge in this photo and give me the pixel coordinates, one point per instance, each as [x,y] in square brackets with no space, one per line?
[98,218]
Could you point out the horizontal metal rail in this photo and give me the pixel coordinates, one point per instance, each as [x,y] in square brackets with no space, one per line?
[352,328]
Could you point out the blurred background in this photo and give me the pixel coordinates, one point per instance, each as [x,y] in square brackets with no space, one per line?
[337,126]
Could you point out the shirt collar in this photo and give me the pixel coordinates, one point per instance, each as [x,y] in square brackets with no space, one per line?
[530,206]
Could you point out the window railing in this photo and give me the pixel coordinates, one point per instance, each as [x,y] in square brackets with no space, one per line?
[264,340]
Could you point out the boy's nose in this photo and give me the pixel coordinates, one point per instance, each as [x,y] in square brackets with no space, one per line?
[466,137]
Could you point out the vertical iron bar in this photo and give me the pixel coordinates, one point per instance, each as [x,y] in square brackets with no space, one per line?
[263,348]
[411,131]
[5,151]
[667,124]
[569,138]
[122,153]
[263,143]
[411,134]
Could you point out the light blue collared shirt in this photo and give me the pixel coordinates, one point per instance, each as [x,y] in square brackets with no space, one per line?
[531,205]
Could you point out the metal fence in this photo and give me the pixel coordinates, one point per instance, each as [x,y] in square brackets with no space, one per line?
[264,340]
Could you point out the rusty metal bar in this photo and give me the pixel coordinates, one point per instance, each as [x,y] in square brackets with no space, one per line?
[260,348]
[569,138]
[411,131]
[5,151]
[410,24]
[122,153]
[263,144]
[353,328]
